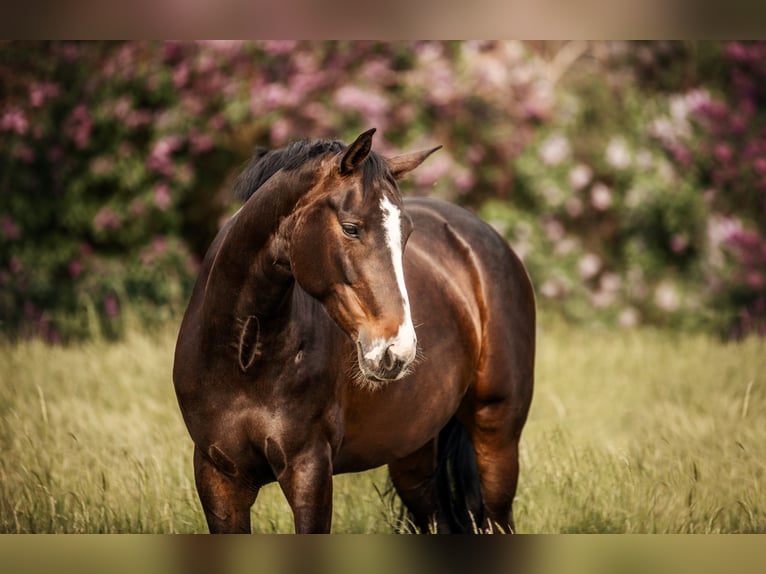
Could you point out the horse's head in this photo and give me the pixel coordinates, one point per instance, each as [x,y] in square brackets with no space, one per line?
[346,249]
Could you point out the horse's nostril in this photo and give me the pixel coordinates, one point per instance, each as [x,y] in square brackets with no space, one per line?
[389,361]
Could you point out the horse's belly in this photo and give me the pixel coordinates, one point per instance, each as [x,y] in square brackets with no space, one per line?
[389,423]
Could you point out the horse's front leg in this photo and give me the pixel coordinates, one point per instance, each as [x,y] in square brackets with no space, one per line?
[306,481]
[225,501]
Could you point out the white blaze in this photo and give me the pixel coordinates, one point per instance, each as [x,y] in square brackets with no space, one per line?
[404,344]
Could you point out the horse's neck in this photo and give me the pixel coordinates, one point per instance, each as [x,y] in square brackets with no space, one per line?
[250,275]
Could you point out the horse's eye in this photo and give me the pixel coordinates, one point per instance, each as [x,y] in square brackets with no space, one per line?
[351,230]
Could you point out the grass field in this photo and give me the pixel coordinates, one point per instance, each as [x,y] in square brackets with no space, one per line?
[643,431]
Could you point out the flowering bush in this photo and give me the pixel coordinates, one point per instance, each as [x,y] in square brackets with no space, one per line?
[732,160]
[101,180]
[117,155]
[632,195]
[653,206]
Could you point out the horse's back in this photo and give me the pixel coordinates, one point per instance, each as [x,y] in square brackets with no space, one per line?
[453,234]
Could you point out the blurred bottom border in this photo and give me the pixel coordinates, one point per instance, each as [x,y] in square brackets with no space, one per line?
[373,554]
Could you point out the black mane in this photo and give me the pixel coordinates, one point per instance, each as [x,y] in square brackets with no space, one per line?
[266,163]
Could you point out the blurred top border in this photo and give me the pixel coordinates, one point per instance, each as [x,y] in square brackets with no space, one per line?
[389,20]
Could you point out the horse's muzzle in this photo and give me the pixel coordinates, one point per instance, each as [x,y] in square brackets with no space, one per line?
[386,361]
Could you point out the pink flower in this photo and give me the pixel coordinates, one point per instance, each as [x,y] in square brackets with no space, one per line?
[552,289]
[78,126]
[172,51]
[755,280]
[555,149]
[106,218]
[160,158]
[102,165]
[618,154]
[181,75]
[111,307]
[217,122]
[40,92]
[610,282]
[151,252]
[264,98]
[628,318]
[722,152]
[602,299]
[600,197]
[666,297]
[9,228]
[589,265]
[279,47]
[565,246]
[679,243]
[138,118]
[121,108]
[162,197]
[306,83]
[739,124]
[736,51]
[580,176]
[200,143]
[722,229]
[377,69]
[554,230]
[463,178]
[436,167]
[75,268]
[160,244]
[366,102]
[280,131]
[14,120]
[475,153]
[229,48]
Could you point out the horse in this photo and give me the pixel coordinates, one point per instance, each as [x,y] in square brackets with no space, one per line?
[335,327]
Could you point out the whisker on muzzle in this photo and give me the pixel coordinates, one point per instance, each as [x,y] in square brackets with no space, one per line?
[356,375]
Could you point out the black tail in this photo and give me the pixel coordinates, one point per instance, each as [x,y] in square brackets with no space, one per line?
[458,495]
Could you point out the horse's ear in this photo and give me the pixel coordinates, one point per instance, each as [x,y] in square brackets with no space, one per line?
[356,153]
[401,165]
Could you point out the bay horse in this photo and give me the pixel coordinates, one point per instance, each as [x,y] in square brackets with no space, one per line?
[314,344]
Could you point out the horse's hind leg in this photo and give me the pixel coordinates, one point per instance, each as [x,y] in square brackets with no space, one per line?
[498,406]
[412,477]
[226,502]
[497,460]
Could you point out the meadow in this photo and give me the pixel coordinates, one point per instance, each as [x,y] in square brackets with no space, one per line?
[636,431]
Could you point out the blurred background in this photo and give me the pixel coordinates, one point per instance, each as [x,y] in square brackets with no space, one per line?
[630,176]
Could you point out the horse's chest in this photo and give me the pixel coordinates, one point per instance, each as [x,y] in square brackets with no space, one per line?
[284,400]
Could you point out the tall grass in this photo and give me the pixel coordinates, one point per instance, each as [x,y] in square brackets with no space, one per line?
[91,440]
[643,431]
